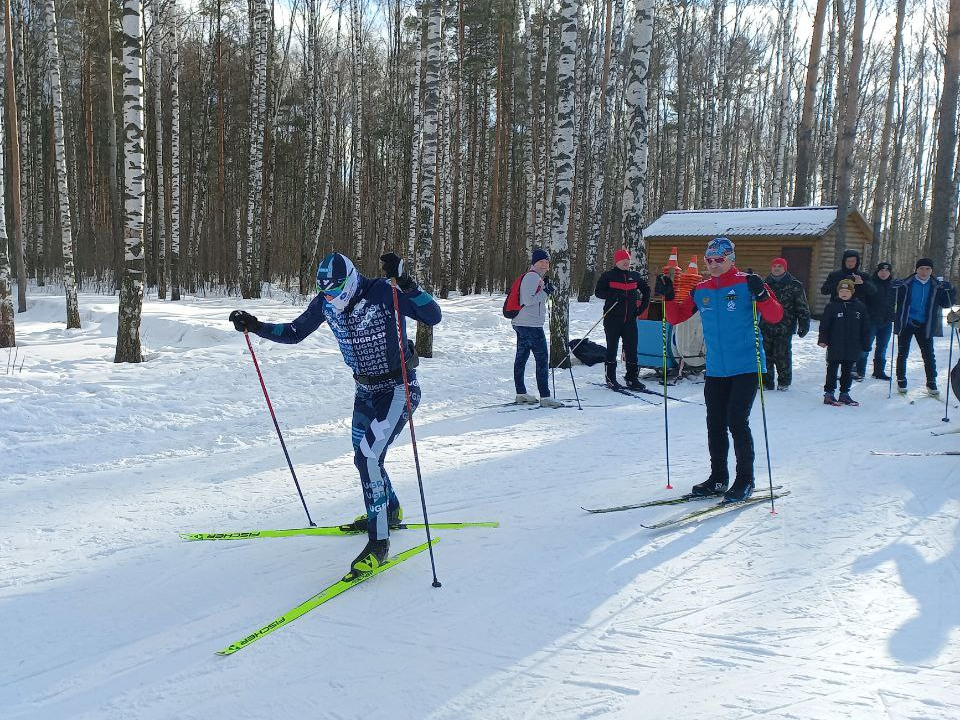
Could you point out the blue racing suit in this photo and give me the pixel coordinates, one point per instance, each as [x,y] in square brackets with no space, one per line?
[367,335]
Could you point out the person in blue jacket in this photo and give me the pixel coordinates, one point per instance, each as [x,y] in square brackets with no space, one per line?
[920,300]
[360,312]
[725,303]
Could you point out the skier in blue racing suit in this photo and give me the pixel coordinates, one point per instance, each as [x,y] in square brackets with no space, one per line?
[360,312]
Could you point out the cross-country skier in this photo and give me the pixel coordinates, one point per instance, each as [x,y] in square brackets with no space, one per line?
[725,303]
[360,312]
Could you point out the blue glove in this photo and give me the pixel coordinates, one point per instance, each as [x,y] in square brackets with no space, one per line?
[548,287]
[757,288]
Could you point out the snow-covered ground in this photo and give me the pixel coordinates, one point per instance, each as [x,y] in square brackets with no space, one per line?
[842,605]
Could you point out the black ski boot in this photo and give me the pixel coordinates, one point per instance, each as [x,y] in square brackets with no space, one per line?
[741,490]
[610,375]
[371,557]
[710,486]
[394,520]
[632,378]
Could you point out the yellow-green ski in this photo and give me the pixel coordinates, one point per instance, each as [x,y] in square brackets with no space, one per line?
[327,530]
[328,593]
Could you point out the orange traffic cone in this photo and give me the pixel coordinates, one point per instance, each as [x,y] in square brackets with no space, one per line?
[672,262]
[692,268]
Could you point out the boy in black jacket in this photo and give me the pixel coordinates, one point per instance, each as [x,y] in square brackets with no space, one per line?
[845,332]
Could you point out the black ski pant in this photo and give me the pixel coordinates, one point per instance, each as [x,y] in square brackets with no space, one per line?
[846,375]
[910,330]
[615,329]
[729,401]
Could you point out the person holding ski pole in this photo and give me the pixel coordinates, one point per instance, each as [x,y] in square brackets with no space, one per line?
[725,303]
[921,299]
[627,295]
[360,313]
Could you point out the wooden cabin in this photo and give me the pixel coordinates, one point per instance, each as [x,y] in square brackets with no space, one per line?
[803,236]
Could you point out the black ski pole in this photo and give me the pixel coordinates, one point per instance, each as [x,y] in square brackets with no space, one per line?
[277,426]
[666,421]
[946,403]
[574,348]
[413,434]
[573,382]
[763,409]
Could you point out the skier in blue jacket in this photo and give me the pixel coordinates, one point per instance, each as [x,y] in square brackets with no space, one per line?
[360,312]
[725,303]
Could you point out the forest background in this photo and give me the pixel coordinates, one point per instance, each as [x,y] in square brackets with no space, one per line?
[221,146]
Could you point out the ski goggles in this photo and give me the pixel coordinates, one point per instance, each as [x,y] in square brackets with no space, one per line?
[716,260]
[331,291]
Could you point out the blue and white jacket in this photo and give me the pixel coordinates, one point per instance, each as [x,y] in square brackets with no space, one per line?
[367,331]
[725,305]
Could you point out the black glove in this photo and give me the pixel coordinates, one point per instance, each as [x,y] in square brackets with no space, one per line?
[244,321]
[803,329]
[548,287]
[393,268]
[664,287]
[756,287]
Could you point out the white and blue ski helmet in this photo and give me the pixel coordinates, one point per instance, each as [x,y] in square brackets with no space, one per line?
[337,280]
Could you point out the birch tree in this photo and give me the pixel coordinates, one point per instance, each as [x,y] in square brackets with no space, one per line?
[943,177]
[848,132]
[881,191]
[157,44]
[175,199]
[60,164]
[635,181]
[564,155]
[134,130]
[428,178]
[8,337]
[258,112]
[16,174]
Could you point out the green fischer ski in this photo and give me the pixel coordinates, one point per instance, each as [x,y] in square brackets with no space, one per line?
[714,510]
[337,530]
[320,598]
[679,500]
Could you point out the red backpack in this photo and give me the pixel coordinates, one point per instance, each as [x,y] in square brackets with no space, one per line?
[512,306]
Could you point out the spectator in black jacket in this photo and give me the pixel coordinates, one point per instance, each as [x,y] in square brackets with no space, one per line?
[881,307]
[849,268]
[844,331]
[625,296]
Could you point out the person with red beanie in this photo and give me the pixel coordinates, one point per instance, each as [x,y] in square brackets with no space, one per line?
[778,336]
[625,296]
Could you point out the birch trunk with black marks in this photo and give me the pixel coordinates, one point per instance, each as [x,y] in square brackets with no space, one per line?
[783,107]
[564,156]
[131,289]
[258,112]
[60,165]
[157,46]
[173,39]
[426,219]
[8,336]
[609,84]
[635,180]
[16,175]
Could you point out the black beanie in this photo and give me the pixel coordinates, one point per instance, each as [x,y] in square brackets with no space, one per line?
[885,266]
[925,261]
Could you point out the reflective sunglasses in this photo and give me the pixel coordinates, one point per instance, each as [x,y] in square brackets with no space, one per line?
[712,260]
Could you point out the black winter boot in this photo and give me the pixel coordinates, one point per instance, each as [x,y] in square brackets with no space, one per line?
[610,370]
[741,490]
[632,378]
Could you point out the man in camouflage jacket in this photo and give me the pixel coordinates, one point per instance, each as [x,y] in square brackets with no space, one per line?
[777,337]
